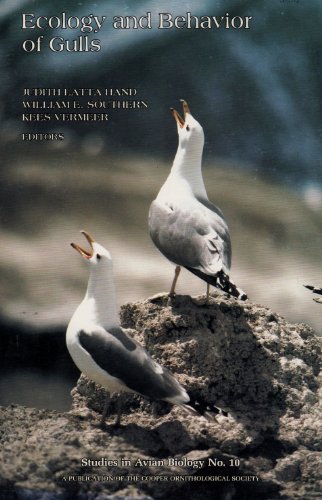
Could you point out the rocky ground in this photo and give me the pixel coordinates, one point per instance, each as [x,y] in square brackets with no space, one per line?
[241,357]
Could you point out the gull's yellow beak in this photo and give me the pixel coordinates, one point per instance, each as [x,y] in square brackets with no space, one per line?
[181,121]
[85,253]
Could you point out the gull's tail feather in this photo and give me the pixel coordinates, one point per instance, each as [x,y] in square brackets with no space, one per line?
[221,281]
[198,407]
[229,287]
[314,289]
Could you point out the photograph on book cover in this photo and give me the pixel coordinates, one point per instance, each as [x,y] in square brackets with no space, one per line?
[161,233]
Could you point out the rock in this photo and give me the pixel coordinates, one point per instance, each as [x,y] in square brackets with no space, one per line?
[238,356]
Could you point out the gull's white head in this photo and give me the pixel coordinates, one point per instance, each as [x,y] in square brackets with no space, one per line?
[99,303]
[98,257]
[190,132]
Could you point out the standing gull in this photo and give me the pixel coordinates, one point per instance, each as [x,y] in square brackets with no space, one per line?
[184,225]
[103,351]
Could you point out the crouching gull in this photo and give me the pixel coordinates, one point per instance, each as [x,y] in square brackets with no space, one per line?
[184,225]
[316,290]
[104,352]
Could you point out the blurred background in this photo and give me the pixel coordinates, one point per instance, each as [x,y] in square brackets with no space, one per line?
[257,95]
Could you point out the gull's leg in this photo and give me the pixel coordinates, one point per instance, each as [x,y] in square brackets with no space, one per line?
[119,410]
[208,289]
[175,279]
[106,405]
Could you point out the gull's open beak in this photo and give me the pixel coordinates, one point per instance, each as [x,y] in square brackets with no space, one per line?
[180,121]
[85,253]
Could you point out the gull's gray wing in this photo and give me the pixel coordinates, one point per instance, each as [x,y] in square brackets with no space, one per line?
[194,235]
[120,356]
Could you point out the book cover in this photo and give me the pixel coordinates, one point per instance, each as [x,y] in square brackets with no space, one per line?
[87,141]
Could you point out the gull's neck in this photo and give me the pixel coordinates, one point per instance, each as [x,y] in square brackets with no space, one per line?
[187,167]
[100,300]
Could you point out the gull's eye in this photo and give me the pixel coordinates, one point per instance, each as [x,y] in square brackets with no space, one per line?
[187,128]
[98,256]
